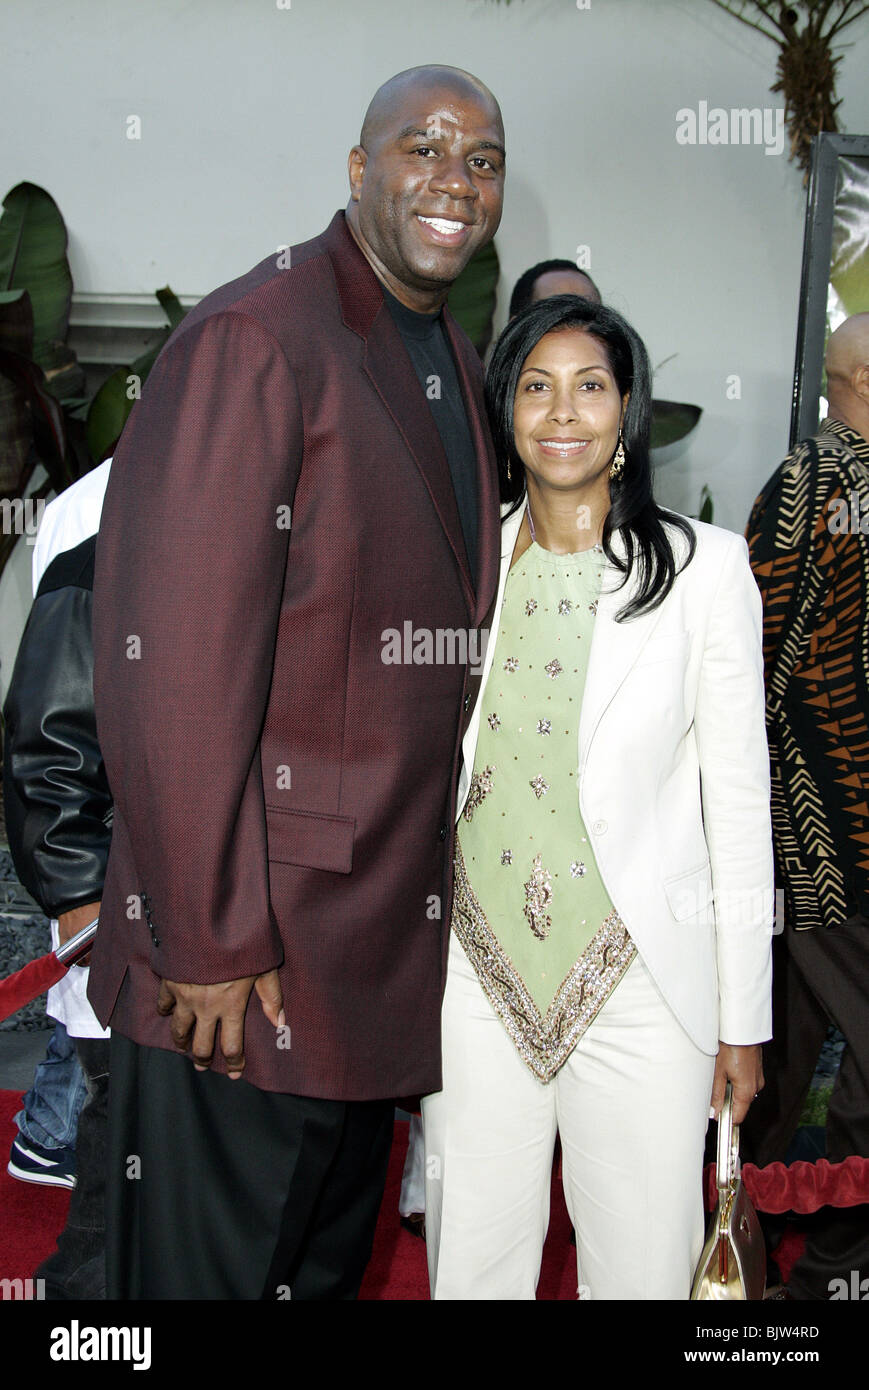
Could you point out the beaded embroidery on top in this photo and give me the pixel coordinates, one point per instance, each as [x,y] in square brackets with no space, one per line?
[481,785]
[544,1044]
[538,896]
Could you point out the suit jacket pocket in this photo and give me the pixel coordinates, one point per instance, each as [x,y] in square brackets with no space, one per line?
[311,839]
[690,894]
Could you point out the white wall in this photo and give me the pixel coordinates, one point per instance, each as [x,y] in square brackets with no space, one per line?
[248,112]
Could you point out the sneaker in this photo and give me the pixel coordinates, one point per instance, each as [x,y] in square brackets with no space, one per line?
[30,1162]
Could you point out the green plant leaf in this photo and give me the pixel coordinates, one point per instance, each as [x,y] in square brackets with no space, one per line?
[107,414]
[33,244]
[672,421]
[472,297]
[142,365]
[111,406]
[816,1104]
[172,306]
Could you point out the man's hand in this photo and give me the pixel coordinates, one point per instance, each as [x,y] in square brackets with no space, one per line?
[744,1067]
[71,922]
[197,1010]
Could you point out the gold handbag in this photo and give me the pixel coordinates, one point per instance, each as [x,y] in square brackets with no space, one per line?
[733,1262]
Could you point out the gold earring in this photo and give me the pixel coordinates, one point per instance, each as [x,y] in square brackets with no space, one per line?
[618,463]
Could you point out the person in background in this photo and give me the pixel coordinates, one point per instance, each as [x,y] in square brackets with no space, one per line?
[549,278]
[43,1150]
[808,538]
[59,817]
[609,966]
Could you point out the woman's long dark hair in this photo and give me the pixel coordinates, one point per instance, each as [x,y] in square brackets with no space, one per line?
[633,511]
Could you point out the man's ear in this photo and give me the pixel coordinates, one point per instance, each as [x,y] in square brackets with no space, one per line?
[356,162]
[860,383]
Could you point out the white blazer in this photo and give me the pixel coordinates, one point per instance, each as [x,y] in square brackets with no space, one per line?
[673,782]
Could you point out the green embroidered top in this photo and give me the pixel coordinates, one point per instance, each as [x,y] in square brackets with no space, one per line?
[531,907]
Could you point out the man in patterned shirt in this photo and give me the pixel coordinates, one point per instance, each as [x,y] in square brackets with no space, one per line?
[809,544]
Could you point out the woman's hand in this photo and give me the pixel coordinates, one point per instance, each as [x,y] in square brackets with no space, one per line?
[744,1067]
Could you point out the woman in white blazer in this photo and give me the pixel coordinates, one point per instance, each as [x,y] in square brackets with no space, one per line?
[609,965]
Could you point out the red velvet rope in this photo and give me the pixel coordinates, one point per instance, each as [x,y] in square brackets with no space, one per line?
[28,983]
[800,1187]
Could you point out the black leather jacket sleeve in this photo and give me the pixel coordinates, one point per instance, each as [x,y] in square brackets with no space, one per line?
[56,795]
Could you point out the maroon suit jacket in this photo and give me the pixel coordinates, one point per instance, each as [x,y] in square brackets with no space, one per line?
[284,797]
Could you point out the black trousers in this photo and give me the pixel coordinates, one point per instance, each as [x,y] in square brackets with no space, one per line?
[820,977]
[77,1269]
[218,1190]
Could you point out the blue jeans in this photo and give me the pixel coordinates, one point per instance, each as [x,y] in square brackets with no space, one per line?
[52,1105]
[77,1268]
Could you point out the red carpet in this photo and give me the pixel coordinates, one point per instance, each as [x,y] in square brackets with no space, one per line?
[31,1218]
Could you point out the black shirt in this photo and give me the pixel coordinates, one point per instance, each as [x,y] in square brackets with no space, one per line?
[428,346]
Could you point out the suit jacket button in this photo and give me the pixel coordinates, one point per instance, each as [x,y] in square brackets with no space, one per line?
[443,832]
[600,827]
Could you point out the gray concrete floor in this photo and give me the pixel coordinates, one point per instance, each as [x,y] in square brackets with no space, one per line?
[19,1054]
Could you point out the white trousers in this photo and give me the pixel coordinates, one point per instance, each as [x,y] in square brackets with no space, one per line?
[631,1105]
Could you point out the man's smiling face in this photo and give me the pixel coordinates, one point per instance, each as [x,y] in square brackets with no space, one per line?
[427,190]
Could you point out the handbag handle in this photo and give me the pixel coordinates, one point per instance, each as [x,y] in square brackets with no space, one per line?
[727,1165]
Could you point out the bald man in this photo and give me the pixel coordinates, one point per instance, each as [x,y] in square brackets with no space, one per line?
[809,544]
[549,278]
[307,481]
